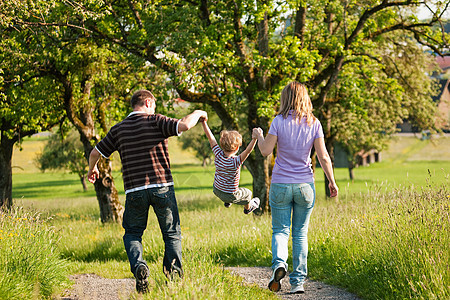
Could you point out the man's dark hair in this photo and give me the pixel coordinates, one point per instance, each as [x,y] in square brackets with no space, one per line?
[139,97]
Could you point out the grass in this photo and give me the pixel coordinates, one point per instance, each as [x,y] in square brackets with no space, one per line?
[385,238]
[385,245]
[30,264]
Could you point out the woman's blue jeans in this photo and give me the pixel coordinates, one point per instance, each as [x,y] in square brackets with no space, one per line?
[296,200]
[164,204]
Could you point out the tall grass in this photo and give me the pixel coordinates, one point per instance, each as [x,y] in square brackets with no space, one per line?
[382,244]
[386,238]
[386,245]
[30,264]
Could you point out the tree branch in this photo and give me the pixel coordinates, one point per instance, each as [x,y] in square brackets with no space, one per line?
[116,17]
[211,100]
[399,26]
[369,13]
[300,21]
[249,74]
[52,24]
[204,12]
[136,14]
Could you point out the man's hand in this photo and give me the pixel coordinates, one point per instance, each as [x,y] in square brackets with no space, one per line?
[191,120]
[93,174]
[203,115]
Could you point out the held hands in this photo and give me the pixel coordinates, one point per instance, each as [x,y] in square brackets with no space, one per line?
[257,133]
[203,115]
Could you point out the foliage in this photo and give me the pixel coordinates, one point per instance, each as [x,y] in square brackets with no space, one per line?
[64,153]
[354,56]
[89,80]
[30,265]
[29,102]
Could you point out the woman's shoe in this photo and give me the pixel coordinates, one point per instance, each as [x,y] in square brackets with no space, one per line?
[275,281]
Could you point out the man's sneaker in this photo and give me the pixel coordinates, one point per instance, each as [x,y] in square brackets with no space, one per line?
[254,204]
[275,281]
[141,279]
[297,289]
[227,204]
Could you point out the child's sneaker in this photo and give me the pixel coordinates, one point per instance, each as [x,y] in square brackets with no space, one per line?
[254,204]
[227,205]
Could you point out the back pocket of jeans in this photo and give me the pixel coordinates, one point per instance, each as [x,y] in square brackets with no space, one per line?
[278,194]
[307,193]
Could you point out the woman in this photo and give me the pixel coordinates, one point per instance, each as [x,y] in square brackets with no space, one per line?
[294,130]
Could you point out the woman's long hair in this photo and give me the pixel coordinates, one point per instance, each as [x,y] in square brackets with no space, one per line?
[295,97]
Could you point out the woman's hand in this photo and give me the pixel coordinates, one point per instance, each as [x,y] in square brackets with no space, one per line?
[333,189]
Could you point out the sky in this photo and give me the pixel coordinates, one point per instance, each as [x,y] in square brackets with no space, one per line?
[424,13]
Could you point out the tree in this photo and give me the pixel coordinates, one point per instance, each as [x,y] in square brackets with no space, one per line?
[236,56]
[87,79]
[28,103]
[64,153]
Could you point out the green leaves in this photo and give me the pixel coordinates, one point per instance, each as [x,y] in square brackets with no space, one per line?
[360,59]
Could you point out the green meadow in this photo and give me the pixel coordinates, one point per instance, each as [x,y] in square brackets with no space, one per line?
[386,237]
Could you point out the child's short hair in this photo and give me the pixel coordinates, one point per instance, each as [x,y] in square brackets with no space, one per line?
[230,140]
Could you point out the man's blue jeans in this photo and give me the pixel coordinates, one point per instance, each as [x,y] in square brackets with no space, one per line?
[164,204]
[296,200]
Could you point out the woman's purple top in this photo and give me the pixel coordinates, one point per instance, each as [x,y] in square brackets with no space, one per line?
[294,143]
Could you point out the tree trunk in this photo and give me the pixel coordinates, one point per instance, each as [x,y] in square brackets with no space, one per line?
[351,166]
[300,20]
[82,118]
[263,47]
[83,182]
[259,168]
[6,172]
[108,199]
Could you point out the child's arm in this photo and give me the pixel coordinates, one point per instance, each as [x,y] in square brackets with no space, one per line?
[248,150]
[209,134]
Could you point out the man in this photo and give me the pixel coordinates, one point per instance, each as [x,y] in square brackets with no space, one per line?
[142,142]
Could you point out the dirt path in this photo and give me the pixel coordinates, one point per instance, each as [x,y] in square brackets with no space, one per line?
[94,287]
[314,290]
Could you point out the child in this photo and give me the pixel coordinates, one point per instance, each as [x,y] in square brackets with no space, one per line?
[228,169]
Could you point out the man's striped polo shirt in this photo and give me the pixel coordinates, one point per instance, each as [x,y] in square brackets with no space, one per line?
[141,140]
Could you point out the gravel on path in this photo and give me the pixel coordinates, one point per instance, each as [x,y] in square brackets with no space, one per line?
[314,290]
[92,286]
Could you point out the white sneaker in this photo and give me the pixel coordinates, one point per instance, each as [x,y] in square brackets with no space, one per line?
[275,281]
[254,204]
[297,289]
